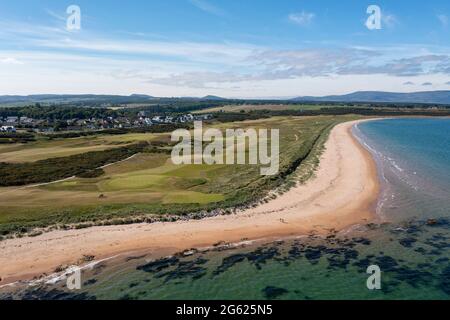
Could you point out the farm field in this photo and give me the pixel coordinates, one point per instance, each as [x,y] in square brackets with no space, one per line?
[149,183]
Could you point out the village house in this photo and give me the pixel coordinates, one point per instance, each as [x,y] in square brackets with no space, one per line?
[12,120]
[158,119]
[168,119]
[7,129]
[71,122]
[203,117]
[185,118]
[26,120]
[146,121]
[143,114]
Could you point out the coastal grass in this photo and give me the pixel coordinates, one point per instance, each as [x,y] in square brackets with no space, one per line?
[149,186]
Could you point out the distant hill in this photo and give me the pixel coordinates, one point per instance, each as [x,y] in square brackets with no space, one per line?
[434,97]
[94,99]
[213,98]
[135,95]
[426,97]
[76,98]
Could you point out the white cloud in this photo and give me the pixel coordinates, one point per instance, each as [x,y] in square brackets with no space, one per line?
[389,20]
[207,7]
[56,15]
[443,19]
[57,61]
[10,61]
[203,52]
[303,18]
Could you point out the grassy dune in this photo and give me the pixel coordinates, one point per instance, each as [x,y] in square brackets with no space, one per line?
[150,184]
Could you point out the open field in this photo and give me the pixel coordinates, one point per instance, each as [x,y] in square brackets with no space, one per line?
[46,149]
[259,107]
[149,183]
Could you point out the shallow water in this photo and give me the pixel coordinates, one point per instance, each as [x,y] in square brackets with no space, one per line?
[410,243]
[413,157]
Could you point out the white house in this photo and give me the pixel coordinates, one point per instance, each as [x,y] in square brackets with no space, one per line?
[157,119]
[8,129]
[12,120]
[26,120]
[168,119]
[185,118]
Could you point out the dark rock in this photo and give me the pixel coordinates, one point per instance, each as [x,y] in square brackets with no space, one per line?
[229,262]
[407,242]
[273,292]
[158,265]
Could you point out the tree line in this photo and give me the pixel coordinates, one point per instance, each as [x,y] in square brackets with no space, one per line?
[57,112]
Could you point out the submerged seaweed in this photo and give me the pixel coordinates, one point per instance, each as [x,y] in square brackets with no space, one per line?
[44,293]
[257,258]
[408,242]
[271,293]
[158,265]
[185,269]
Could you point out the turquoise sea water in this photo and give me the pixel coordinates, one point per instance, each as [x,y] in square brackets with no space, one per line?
[414,161]
[410,242]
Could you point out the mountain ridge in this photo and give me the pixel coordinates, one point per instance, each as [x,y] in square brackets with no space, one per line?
[432,97]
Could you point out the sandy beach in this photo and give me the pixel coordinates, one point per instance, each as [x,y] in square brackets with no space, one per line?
[341,194]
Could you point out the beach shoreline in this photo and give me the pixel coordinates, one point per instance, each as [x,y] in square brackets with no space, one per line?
[342,194]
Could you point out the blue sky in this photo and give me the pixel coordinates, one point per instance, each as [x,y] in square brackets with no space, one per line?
[231,48]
